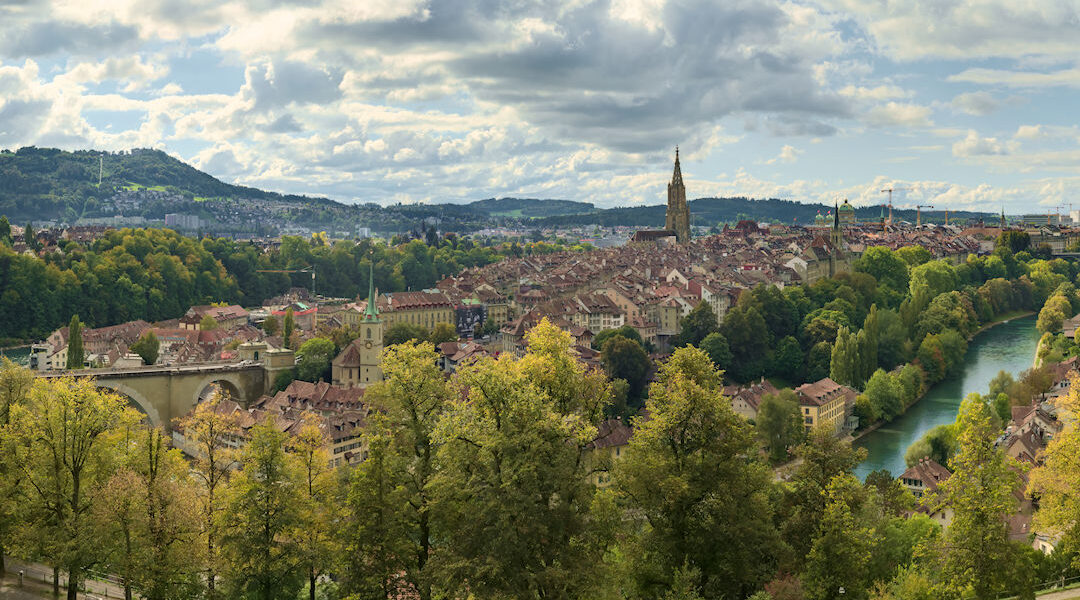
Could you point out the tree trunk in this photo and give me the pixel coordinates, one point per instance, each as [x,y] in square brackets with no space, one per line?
[56,581]
[127,590]
[73,585]
[311,583]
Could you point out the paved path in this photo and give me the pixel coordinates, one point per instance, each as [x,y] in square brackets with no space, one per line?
[37,581]
[1062,595]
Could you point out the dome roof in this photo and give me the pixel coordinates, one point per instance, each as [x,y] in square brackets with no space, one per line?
[846,207]
[818,220]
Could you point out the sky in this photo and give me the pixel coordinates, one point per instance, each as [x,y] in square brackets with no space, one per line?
[962,104]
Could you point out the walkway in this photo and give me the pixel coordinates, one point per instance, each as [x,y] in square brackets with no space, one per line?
[37,583]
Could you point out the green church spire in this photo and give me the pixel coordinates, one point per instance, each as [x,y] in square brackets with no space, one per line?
[372,312]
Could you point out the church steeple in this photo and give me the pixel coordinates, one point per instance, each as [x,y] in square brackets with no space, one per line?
[678,212]
[1003,216]
[676,178]
[372,311]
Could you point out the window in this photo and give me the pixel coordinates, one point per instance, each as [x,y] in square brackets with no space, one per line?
[369,333]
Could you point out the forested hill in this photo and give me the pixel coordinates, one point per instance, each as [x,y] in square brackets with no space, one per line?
[711,211]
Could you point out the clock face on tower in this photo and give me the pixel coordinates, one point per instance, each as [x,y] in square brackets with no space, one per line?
[367,344]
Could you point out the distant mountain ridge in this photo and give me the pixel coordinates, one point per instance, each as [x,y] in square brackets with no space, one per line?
[49,184]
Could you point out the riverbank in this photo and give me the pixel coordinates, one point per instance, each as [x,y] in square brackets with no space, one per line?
[1003,344]
[1000,320]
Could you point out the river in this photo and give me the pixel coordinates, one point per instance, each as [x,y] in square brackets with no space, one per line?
[19,355]
[1009,346]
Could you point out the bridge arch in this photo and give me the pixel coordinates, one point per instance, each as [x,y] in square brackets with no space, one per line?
[233,384]
[136,398]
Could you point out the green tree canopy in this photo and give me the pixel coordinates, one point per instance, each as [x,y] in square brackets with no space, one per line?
[147,347]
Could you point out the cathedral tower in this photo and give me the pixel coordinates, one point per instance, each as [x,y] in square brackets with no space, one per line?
[678,212]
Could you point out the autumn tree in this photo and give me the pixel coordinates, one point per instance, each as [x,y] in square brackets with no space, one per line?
[977,553]
[1057,480]
[261,537]
[317,500]
[65,455]
[391,493]
[15,385]
[206,431]
[148,514]
[699,502]
[442,332]
[840,555]
[510,459]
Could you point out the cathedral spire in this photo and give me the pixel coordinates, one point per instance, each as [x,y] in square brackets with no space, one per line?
[676,178]
[372,311]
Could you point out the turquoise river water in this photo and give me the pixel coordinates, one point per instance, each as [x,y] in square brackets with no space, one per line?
[1009,346]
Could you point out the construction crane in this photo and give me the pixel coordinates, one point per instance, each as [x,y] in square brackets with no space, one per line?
[310,269]
[890,190]
[918,213]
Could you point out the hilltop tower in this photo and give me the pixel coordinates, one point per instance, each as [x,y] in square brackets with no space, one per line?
[678,212]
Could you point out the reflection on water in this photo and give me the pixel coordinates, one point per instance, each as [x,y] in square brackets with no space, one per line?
[1009,346]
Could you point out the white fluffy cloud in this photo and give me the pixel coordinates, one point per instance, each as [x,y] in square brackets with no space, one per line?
[454,99]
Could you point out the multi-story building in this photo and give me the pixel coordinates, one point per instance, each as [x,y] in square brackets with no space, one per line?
[824,404]
[427,308]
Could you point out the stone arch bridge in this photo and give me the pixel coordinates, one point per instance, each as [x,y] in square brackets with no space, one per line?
[167,393]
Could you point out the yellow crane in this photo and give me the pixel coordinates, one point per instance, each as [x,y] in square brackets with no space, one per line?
[890,190]
[918,213]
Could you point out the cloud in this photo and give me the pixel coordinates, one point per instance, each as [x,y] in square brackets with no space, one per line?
[1019,79]
[788,154]
[893,114]
[962,29]
[50,37]
[976,103]
[973,145]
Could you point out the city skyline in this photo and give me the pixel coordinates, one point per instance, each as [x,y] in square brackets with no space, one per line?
[456,101]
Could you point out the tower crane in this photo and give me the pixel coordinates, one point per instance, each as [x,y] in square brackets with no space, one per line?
[918,213]
[310,269]
[890,190]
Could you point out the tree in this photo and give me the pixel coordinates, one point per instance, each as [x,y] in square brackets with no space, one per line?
[824,457]
[894,499]
[5,230]
[208,323]
[700,322]
[787,360]
[148,511]
[503,415]
[938,444]
[393,506]
[886,395]
[818,361]
[31,238]
[443,332]
[288,327]
[316,498]
[625,359]
[625,331]
[914,255]
[687,476]
[147,347]
[743,330]
[313,360]
[262,519]
[1057,480]
[206,430]
[980,492]
[716,347]
[65,455]
[780,423]
[840,555]
[842,367]
[75,353]
[271,326]
[15,385]
[489,328]
[1051,317]
[1013,241]
[886,266]
[399,333]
